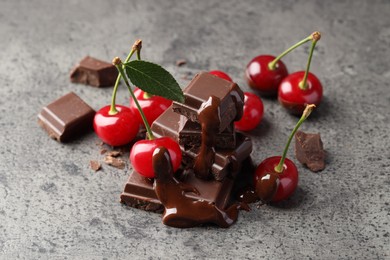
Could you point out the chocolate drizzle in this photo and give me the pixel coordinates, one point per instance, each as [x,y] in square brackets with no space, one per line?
[209,119]
[267,186]
[180,210]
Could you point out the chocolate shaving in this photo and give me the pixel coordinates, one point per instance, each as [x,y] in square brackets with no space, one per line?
[114,153]
[115,162]
[95,165]
[181,62]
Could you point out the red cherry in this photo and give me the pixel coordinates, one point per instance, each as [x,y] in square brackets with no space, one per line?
[118,129]
[152,106]
[142,152]
[221,74]
[283,187]
[261,78]
[294,98]
[253,113]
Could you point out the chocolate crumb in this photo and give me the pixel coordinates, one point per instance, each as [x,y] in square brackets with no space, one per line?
[115,162]
[309,150]
[103,151]
[114,153]
[95,165]
[181,62]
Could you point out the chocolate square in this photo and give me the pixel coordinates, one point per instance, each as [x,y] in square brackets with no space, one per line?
[94,72]
[66,118]
[199,91]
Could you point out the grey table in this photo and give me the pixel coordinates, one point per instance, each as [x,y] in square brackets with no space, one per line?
[52,206]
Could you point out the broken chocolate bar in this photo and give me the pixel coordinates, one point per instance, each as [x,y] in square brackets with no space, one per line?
[139,192]
[66,118]
[201,88]
[94,72]
[226,161]
[309,150]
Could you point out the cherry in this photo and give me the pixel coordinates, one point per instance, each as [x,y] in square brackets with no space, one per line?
[276,178]
[301,88]
[117,129]
[262,78]
[152,106]
[294,98]
[221,74]
[253,113]
[141,155]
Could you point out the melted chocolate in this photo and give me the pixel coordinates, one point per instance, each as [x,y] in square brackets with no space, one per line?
[181,211]
[209,119]
[267,186]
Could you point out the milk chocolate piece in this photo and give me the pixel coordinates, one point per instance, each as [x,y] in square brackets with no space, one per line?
[66,118]
[226,162]
[139,192]
[200,89]
[309,150]
[94,72]
[190,135]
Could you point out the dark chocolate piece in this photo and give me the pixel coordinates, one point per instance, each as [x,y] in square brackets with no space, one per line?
[226,162]
[66,118]
[309,150]
[139,191]
[199,91]
[190,135]
[182,211]
[94,72]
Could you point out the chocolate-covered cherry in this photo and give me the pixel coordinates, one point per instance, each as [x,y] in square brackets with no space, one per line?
[276,178]
[221,74]
[141,155]
[118,128]
[301,88]
[252,114]
[265,72]
[152,106]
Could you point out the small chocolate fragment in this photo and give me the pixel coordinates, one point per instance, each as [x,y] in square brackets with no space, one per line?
[94,72]
[309,150]
[95,165]
[199,91]
[190,135]
[114,153]
[66,118]
[181,62]
[115,162]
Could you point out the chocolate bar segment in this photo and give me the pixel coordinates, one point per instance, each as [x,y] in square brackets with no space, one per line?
[139,192]
[94,72]
[190,135]
[226,161]
[201,88]
[66,118]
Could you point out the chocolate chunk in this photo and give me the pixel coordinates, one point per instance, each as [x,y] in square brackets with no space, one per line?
[95,165]
[309,150]
[94,72]
[66,118]
[190,135]
[226,162]
[198,92]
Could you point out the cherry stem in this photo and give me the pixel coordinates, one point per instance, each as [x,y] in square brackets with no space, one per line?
[119,66]
[272,64]
[316,36]
[113,110]
[305,114]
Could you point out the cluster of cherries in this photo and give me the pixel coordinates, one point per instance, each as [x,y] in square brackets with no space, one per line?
[275,178]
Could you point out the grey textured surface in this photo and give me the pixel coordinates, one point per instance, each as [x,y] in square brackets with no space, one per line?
[52,206]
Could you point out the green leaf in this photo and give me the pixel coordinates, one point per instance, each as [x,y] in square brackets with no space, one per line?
[154,79]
